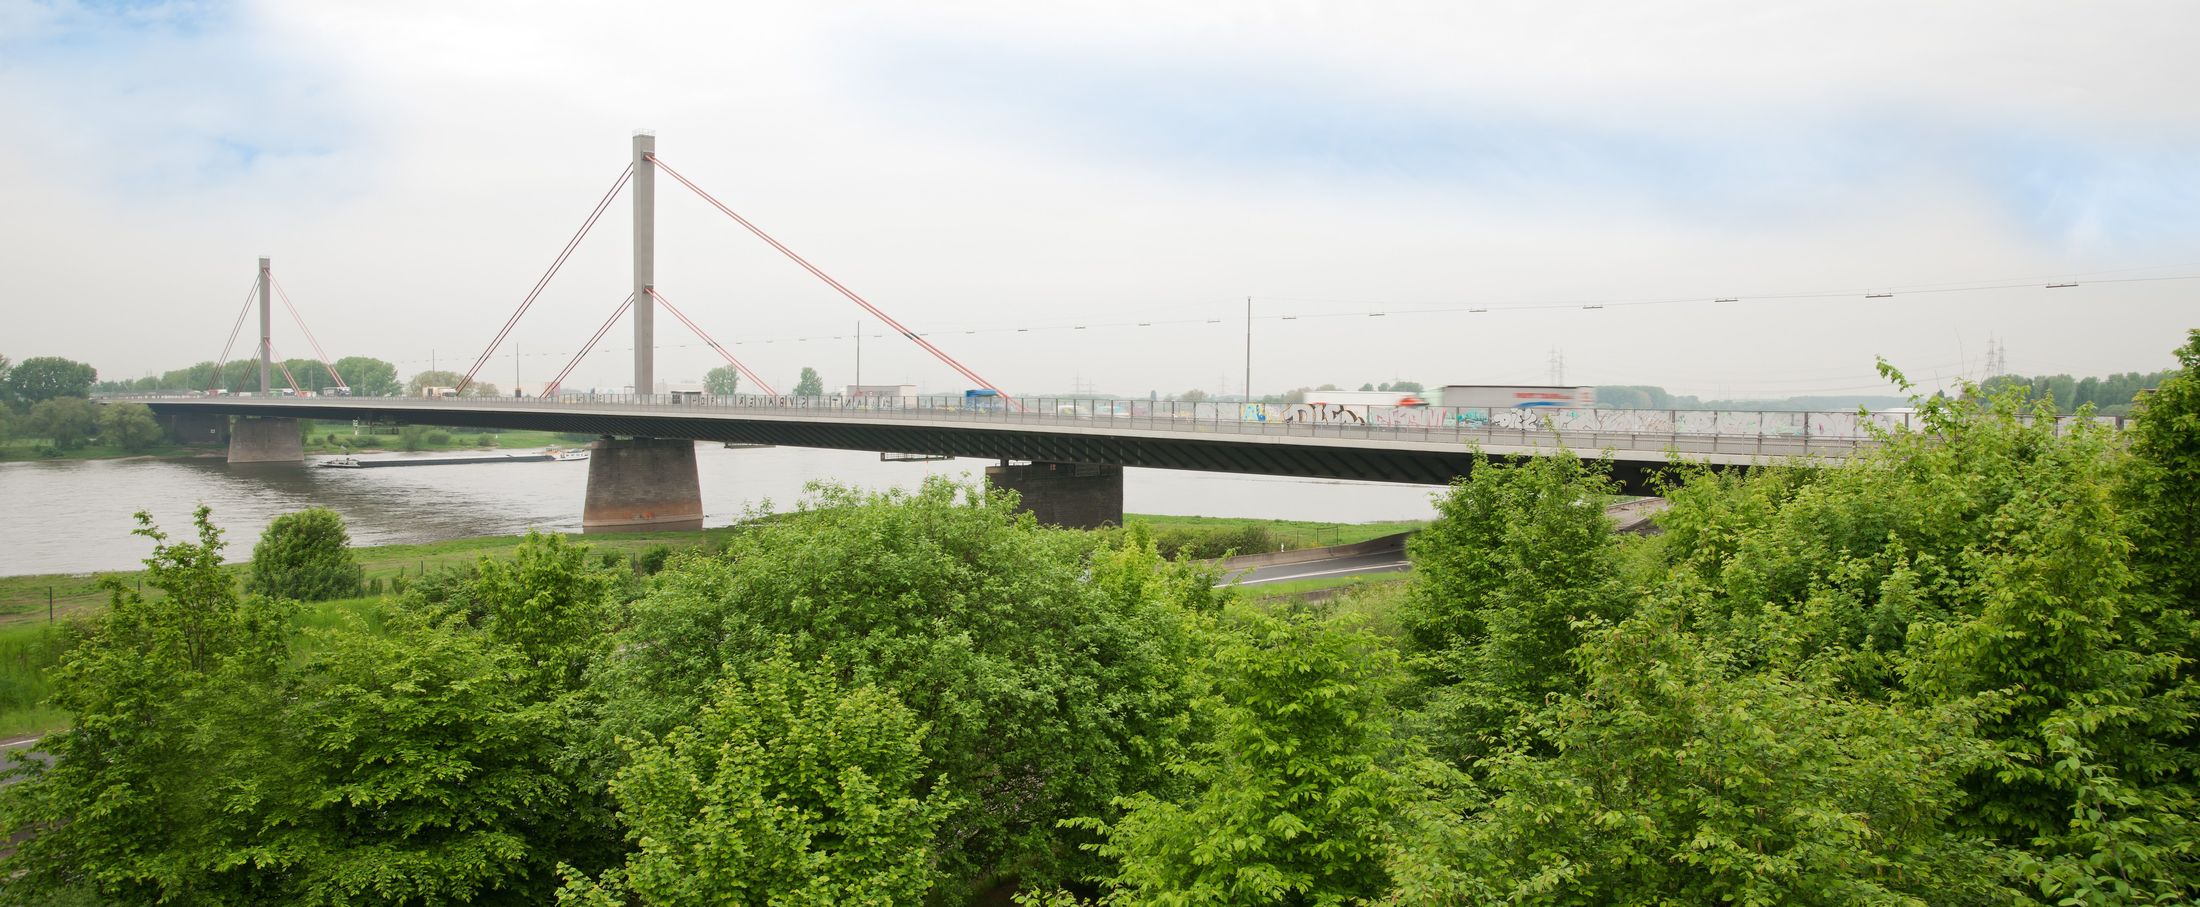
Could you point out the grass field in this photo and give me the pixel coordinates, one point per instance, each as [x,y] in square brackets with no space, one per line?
[1294,533]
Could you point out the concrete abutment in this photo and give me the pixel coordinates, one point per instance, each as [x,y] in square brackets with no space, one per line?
[1069,495]
[642,485]
[257,440]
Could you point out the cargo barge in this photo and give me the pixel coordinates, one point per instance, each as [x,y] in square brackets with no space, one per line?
[543,457]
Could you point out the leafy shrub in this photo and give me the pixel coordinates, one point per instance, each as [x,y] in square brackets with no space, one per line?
[439,438]
[305,556]
[789,788]
[1049,676]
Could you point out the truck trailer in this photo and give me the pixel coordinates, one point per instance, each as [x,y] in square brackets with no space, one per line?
[1518,396]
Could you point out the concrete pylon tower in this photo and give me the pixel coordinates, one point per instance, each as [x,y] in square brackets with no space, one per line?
[643,484]
[267,332]
[645,262]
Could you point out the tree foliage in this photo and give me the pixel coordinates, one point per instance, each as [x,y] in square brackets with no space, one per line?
[1520,560]
[129,426]
[369,377]
[124,808]
[66,422]
[788,788]
[306,556]
[809,385]
[1048,680]
[723,381]
[421,381]
[1289,800]
[41,378]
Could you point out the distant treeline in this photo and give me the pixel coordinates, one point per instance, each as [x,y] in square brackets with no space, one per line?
[2110,396]
[1644,396]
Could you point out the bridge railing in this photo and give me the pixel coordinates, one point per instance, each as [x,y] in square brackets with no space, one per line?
[1771,433]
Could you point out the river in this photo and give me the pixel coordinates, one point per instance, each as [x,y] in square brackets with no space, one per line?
[74,516]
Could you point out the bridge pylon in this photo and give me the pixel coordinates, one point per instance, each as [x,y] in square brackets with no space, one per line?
[643,484]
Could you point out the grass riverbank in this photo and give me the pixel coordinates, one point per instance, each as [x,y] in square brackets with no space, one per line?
[320,438]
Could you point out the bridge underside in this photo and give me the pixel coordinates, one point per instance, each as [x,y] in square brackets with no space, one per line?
[1423,465]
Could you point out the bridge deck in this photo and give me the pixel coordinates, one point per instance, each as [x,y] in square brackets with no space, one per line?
[1434,451]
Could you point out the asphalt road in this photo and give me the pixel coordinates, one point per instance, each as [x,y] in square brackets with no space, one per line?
[1385,562]
[8,748]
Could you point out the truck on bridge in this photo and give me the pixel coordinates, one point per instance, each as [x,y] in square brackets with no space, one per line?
[1518,396]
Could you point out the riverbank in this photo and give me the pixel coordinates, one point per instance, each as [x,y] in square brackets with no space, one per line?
[29,597]
[320,438]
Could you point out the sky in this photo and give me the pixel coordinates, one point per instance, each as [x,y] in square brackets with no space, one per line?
[1084,196]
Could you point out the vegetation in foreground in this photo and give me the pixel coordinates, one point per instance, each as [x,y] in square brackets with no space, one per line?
[1956,672]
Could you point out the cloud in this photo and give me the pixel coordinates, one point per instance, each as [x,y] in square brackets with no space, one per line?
[978,166]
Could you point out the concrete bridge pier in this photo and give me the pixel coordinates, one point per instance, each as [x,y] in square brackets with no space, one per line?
[269,440]
[196,429]
[1069,495]
[642,485]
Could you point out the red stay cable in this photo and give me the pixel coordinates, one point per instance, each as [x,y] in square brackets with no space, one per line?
[544,281]
[936,352]
[310,339]
[692,326]
[284,367]
[234,329]
[551,390]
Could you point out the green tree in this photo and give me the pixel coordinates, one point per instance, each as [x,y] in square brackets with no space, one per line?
[810,385]
[124,806]
[2159,487]
[1671,778]
[413,437]
[66,422]
[723,381]
[1980,562]
[1520,559]
[129,426]
[404,766]
[546,601]
[789,788]
[41,378]
[305,556]
[369,377]
[1194,395]
[1048,678]
[442,378]
[1289,802]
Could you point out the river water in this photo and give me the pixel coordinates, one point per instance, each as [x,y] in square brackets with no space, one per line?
[75,516]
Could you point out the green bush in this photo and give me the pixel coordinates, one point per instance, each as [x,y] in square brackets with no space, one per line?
[439,438]
[413,437]
[305,556]
[129,426]
[485,441]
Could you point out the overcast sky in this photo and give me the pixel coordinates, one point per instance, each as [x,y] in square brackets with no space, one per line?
[412,167]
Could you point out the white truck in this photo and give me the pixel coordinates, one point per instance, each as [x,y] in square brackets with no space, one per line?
[1518,396]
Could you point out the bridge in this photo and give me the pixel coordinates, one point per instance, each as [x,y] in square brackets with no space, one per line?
[1075,448]
[1064,457]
